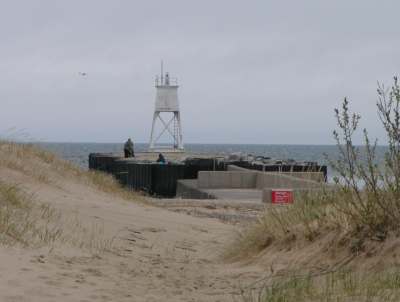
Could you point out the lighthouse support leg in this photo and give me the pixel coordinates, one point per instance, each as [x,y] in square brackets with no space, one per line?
[179,138]
[151,144]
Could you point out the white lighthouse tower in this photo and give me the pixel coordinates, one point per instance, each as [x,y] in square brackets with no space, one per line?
[167,113]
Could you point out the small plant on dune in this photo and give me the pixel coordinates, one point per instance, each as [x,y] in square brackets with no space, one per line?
[364,203]
[306,219]
[24,222]
[331,286]
[43,165]
[370,190]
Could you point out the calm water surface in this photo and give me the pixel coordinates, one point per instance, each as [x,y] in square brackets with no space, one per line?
[78,152]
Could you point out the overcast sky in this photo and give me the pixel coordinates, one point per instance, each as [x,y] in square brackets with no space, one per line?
[267,72]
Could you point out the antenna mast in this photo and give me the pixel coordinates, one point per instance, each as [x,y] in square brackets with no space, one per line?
[162,72]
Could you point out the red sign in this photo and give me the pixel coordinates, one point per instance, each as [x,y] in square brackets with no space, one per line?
[282,196]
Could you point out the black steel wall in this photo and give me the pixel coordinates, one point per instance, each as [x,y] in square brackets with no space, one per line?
[154,178]
[161,179]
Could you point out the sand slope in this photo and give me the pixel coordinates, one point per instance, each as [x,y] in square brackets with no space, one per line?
[157,255]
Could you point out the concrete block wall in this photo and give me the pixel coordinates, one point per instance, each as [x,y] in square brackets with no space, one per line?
[315,176]
[226,179]
[278,180]
[267,195]
[187,188]
[252,180]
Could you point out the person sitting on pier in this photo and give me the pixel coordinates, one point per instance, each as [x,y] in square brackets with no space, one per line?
[128,149]
[161,159]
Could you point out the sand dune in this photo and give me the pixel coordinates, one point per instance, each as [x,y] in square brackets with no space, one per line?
[73,235]
[118,250]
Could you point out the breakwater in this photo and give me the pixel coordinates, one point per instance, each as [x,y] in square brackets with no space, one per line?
[143,174]
[153,178]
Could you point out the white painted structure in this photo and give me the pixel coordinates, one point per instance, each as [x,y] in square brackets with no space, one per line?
[167,106]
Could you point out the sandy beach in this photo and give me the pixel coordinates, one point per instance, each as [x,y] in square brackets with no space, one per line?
[114,249]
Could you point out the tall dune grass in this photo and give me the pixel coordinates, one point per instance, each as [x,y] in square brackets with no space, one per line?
[46,167]
[364,207]
[333,286]
[29,222]
[365,204]
[23,221]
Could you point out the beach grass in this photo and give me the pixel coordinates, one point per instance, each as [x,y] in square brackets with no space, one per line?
[27,221]
[361,209]
[24,222]
[332,286]
[41,165]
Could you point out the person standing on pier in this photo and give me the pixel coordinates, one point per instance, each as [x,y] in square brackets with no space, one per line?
[161,159]
[128,149]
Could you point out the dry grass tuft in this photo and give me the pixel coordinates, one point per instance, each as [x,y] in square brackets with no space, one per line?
[28,222]
[89,236]
[363,208]
[23,221]
[310,217]
[365,203]
[46,167]
[332,286]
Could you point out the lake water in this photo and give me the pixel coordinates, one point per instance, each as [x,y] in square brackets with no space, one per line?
[78,153]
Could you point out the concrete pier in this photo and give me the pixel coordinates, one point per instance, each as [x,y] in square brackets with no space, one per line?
[205,177]
[251,185]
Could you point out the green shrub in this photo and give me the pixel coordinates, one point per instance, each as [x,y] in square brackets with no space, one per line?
[364,202]
[371,190]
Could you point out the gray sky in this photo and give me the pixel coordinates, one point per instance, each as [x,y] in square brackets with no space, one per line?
[250,71]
